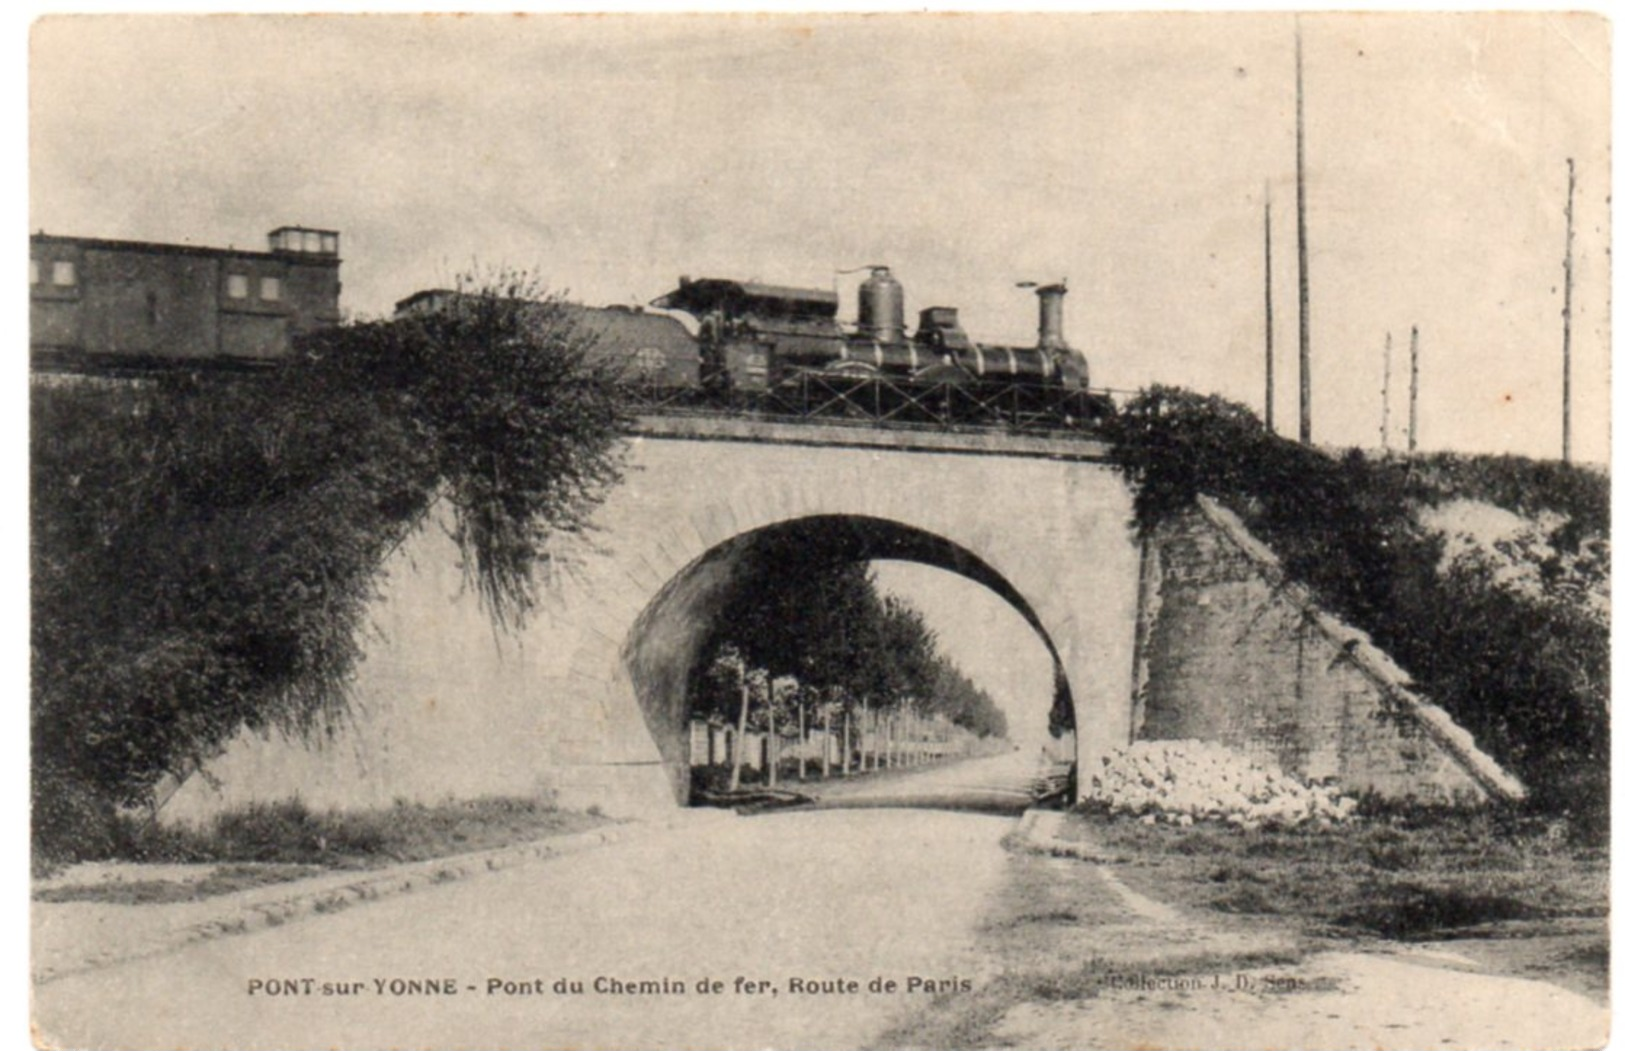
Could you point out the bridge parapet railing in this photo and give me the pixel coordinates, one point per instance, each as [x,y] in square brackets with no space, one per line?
[886,402]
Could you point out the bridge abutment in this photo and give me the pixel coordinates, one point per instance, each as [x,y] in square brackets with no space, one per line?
[1232,652]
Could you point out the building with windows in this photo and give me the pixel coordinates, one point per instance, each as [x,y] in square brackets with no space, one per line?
[99,305]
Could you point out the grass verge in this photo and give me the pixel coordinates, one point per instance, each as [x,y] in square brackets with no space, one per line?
[1514,895]
[276,842]
[225,879]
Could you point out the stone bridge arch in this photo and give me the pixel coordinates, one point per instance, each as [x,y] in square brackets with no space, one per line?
[668,638]
[1046,529]
[448,706]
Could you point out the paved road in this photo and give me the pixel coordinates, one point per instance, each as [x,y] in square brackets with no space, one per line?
[829,895]
[997,784]
[821,896]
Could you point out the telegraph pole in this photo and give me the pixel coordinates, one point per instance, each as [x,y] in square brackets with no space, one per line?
[1387,374]
[1304,429]
[1414,371]
[1269,321]
[1568,302]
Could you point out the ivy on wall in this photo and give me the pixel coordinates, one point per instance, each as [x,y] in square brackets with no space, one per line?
[204,547]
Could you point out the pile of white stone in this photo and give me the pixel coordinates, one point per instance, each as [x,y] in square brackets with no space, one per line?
[1182,782]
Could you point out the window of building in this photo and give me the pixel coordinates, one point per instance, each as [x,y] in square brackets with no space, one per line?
[271,289]
[237,286]
[313,241]
[64,274]
[33,271]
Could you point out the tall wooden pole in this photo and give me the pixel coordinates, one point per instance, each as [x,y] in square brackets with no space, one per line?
[1568,302]
[1415,370]
[1305,431]
[1387,376]
[1269,320]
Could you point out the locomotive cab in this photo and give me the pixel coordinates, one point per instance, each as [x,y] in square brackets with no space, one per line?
[751,333]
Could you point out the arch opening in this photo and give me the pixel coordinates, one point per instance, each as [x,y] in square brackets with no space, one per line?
[673,632]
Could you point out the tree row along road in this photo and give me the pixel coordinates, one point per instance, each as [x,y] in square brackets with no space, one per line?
[796,917]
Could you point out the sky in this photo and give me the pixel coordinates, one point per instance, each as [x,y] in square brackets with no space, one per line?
[1128,154]
[986,638]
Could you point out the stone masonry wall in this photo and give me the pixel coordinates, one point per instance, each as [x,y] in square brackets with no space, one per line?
[1231,652]
[583,703]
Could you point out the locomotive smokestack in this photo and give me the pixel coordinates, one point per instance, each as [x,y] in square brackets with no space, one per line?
[1050,336]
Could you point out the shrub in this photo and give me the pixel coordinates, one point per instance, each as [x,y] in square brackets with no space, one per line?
[70,821]
[267,831]
[1413,910]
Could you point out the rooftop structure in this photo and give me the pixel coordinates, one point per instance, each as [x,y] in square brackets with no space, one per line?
[101,305]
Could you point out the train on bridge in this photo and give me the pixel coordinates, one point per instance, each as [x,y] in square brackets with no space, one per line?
[114,308]
[721,343]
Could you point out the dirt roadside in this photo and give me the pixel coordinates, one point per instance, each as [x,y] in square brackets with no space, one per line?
[72,937]
[1083,953]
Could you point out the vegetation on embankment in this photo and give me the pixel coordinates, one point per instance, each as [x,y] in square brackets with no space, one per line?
[1519,656]
[275,842]
[204,547]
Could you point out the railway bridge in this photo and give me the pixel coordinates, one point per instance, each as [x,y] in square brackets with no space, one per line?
[586,702]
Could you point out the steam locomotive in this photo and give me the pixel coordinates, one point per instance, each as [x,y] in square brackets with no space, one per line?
[776,347]
[754,337]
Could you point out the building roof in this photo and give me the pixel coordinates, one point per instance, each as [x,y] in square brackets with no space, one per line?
[160,248]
